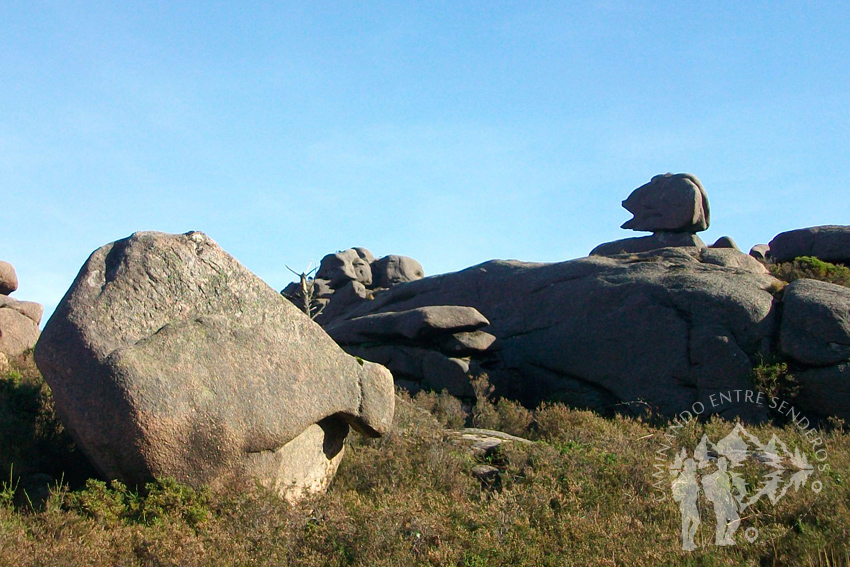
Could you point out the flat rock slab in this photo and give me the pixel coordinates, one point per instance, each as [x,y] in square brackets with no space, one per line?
[829,243]
[412,324]
[647,243]
[466,343]
[167,357]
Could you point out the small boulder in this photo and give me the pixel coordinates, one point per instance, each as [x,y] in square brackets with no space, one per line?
[8,278]
[466,343]
[828,243]
[815,327]
[488,475]
[167,357]
[725,242]
[393,270]
[18,325]
[365,254]
[760,252]
[669,203]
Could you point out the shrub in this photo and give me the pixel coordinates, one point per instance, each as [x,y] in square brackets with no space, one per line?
[446,408]
[812,268]
[554,421]
[773,377]
[514,418]
[484,413]
[32,439]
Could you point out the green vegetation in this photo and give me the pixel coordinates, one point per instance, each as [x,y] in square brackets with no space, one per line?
[582,494]
[773,377]
[810,267]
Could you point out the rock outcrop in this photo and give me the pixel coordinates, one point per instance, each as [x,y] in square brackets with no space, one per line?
[674,207]
[19,320]
[347,278]
[668,327]
[660,321]
[167,357]
[828,243]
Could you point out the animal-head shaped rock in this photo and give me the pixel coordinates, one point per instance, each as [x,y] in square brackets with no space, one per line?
[169,358]
[348,265]
[669,203]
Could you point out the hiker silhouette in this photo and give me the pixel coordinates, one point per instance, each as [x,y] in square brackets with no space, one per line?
[686,493]
[718,490]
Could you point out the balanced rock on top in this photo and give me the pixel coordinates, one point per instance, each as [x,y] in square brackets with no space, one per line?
[674,207]
[669,203]
[167,357]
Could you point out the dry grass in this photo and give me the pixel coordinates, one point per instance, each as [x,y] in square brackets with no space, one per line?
[581,494]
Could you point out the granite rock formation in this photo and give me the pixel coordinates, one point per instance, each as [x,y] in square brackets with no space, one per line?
[674,207]
[167,357]
[347,278]
[828,243]
[19,320]
[660,321]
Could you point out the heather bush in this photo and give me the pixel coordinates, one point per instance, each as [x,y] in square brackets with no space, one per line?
[773,377]
[448,410]
[812,268]
[514,418]
[484,413]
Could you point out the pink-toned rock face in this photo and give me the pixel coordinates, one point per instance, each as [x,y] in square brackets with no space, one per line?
[669,203]
[343,267]
[168,358]
[393,270]
[8,278]
[18,325]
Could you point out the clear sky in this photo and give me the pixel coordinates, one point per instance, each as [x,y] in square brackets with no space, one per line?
[452,132]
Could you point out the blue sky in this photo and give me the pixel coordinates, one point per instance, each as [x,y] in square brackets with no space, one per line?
[452,132]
